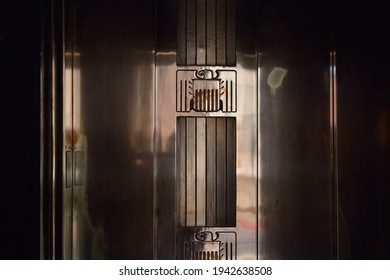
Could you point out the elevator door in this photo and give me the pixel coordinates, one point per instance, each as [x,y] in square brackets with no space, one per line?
[185,138]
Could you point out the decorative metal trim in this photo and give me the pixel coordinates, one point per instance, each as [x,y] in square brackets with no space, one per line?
[206,90]
[206,245]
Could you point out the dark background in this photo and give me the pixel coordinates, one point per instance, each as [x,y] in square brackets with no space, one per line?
[358,31]
[20,37]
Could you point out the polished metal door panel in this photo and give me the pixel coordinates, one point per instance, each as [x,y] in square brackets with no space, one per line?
[109,101]
[297,154]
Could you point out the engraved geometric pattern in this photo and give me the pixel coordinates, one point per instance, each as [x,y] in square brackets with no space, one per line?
[206,245]
[206,90]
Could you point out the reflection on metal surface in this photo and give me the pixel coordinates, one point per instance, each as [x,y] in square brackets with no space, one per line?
[275,78]
[109,138]
[206,168]
[206,32]
[206,90]
[297,157]
[212,165]
[206,245]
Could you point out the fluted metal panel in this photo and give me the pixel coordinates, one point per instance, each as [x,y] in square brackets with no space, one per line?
[206,32]
[206,151]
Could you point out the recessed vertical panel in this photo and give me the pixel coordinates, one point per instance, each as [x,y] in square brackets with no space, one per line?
[191,163]
[181,32]
[201,32]
[201,171]
[231,32]
[191,32]
[221,149]
[181,170]
[211,51]
[231,171]
[221,32]
[211,172]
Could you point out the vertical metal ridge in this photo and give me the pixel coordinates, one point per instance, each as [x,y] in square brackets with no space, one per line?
[333,145]
[258,150]
[51,155]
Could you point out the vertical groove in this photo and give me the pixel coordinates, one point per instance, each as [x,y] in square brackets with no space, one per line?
[196,32]
[232,91]
[185,95]
[181,97]
[186,37]
[226,32]
[186,172]
[226,171]
[196,171]
[227,250]
[206,190]
[227,95]
[216,170]
[216,32]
